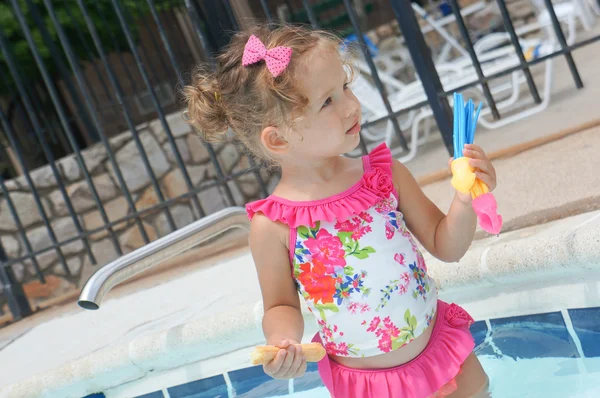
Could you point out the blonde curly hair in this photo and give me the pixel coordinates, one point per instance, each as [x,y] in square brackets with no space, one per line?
[248,99]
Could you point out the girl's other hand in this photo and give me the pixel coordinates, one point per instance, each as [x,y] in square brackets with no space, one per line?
[289,363]
[484,170]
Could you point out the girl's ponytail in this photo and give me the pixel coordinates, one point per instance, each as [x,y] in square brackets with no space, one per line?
[205,109]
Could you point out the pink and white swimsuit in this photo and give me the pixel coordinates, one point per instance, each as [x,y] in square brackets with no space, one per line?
[356,264]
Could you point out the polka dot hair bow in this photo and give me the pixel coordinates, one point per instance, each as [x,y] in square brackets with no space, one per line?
[277,58]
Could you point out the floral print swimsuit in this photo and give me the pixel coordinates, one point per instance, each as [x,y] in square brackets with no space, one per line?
[356,264]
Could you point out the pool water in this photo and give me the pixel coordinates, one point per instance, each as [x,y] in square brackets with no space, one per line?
[546,355]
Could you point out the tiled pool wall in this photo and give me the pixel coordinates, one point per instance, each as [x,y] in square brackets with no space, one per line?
[573,333]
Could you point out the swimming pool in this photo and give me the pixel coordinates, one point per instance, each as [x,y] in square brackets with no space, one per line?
[553,354]
[535,293]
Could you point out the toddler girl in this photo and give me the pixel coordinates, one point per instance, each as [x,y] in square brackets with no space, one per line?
[339,231]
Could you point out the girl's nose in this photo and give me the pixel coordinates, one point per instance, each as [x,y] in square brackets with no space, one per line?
[352,110]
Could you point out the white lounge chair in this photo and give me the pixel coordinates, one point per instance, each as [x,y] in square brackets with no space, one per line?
[454,75]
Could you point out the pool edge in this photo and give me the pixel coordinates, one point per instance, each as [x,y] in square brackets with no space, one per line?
[568,246]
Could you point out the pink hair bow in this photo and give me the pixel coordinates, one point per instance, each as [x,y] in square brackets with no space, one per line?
[277,58]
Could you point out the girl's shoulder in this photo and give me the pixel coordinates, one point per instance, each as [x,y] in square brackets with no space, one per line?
[376,184]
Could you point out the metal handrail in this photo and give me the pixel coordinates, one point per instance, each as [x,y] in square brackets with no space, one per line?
[155,252]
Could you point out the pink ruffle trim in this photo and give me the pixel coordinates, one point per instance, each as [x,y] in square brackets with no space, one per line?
[433,370]
[375,184]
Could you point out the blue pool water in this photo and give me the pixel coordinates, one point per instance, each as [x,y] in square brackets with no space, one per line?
[546,355]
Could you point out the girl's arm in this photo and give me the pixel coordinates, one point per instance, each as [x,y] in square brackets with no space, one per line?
[283,318]
[446,237]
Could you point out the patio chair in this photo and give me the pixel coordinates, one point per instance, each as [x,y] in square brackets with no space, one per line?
[510,103]
[495,53]
[399,95]
[582,10]
[493,59]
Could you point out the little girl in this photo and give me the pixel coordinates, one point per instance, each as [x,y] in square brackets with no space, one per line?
[339,231]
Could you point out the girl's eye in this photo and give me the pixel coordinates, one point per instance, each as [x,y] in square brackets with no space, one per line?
[329,99]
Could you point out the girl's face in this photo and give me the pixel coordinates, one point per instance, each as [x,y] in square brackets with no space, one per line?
[331,121]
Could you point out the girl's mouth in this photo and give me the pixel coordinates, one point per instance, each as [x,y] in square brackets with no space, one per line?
[354,129]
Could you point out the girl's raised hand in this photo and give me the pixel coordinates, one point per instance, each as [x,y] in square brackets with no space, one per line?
[484,170]
[289,363]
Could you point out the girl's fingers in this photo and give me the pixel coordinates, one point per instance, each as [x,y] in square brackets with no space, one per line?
[295,365]
[302,370]
[287,362]
[275,365]
[487,179]
[484,170]
[474,148]
[474,155]
[284,344]
[475,152]
[482,165]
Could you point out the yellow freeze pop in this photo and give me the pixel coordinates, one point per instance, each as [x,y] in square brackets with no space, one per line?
[463,174]
[479,188]
[262,355]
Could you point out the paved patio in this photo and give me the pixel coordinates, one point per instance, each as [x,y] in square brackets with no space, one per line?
[552,181]
[568,107]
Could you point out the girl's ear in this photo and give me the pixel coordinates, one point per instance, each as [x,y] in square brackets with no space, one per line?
[274,141]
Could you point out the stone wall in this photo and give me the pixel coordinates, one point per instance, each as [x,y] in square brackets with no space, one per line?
[161,157]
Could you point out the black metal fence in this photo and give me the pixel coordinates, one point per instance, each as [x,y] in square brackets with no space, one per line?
[79,74]
[79,77]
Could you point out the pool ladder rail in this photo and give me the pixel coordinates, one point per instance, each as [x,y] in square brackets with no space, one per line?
[139,260]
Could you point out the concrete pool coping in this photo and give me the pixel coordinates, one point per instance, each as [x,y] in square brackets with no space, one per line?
[568,248]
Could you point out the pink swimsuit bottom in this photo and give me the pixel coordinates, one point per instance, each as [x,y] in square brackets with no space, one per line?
[435,367]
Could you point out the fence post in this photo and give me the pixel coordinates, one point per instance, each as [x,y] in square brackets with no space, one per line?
[421,57]
[194,12]
[514,39]
[460,22]
[265,6]
[218,24]
[13,291]
[563,43]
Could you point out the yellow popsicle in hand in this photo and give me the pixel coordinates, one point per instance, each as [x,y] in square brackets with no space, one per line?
[479,188]
[262,355]
[463,175]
